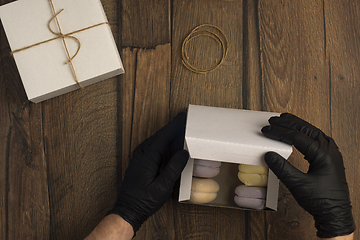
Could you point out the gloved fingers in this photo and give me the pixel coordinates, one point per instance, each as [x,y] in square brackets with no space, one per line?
[147,163]
[331,141]
[284,170]
[301,141]
[178,143]
[140,148]
[291,121]
[172,170]
[149,155]
[162,139]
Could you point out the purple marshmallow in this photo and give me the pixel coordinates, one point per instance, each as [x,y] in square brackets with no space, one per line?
[253,203]
[206,168]
[250,197]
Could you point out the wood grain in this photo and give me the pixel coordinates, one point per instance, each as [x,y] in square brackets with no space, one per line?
[252,84]
[28,202]
[221,88]
[295,79]
[342,52]
[24,195]
[252,97]
[145,91]
[126,98]
[145,24]
[5,131]
[62,160]
[80,131]
[81,135]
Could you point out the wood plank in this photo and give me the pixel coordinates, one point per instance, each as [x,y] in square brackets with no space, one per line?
[126,100]
[145,90]
[112,10]
[343,51]
[151,100]
[252,97]
[295,79]
[145,24]
[24,199]
[8,94]
[28,202]
[5,131]
[80,131]
[220,88]
[81,140]
[252,89]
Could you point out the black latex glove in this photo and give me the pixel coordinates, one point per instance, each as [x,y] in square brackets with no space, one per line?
[145,189]
[323,190]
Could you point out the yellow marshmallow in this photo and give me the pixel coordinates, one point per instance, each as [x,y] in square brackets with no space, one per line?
[245,168]
[203,190]
[253,175]
[198,198]
[255,180]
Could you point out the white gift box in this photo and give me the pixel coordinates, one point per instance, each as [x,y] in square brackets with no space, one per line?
[41,54]
[233,137]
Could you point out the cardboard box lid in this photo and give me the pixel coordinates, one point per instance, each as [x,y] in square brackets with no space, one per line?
[223,134]
[42,68]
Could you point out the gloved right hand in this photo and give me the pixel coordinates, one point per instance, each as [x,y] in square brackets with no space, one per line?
[323,190]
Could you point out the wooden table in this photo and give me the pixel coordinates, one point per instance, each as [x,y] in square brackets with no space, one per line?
[61,160]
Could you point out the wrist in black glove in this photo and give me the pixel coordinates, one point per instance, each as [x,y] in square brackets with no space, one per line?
[145,189]
[323,190]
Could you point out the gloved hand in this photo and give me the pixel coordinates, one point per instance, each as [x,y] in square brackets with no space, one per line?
[323,190]
[145,189]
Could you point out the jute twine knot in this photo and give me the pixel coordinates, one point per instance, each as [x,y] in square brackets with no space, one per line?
[60,35]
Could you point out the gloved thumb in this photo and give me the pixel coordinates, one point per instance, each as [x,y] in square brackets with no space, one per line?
[173,169]
[285,171]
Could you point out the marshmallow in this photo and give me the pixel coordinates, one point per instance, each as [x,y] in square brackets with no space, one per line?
[203,190]
[253,169]
[252,175]
[206,168]
[250,197]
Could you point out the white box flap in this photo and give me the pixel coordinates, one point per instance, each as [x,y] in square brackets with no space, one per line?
[230,135]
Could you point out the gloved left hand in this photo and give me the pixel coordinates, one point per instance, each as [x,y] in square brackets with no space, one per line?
[145,189]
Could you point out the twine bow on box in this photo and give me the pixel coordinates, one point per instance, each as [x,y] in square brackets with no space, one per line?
[61,35]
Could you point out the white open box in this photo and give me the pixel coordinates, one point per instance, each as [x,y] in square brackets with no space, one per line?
[231,136]
[42,68]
